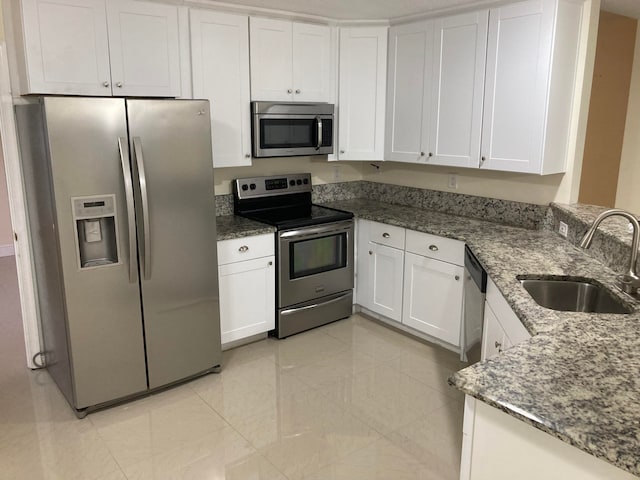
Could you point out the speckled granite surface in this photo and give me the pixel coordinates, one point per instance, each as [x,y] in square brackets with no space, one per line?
[230,226]
[578,378]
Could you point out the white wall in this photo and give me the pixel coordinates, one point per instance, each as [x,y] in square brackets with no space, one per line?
[628,195]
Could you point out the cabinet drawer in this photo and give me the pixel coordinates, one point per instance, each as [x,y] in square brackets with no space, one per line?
[433,246]
[245,248]
[388,235]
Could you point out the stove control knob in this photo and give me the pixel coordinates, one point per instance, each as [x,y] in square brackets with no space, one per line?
[305,181]
[299,182]
[245,187]
[292,183]
[252,186]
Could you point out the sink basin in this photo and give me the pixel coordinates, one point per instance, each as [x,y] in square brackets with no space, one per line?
[573,295]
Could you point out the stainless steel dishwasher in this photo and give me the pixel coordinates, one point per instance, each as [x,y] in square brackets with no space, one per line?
[475,289]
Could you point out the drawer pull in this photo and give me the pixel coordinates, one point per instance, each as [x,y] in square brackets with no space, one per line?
[433,248]
[270,263]
[498,346]
[243,249]
[370,252]
[457,277]
[385,235]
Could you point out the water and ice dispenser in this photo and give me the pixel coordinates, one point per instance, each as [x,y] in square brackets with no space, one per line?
[96,230]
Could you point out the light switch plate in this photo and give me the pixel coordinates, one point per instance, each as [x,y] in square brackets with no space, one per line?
[453,181]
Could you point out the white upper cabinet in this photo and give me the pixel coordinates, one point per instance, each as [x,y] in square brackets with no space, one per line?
[434,100]
[408,95]
[531,70]
[66,47]
[290,61]
[220,68]
[361,103]
[144,48]
[456,103]
[93,47]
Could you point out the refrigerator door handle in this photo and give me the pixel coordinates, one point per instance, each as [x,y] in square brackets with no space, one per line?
[142,179]
[123,148]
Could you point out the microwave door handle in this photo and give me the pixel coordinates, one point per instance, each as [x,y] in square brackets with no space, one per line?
[319,124]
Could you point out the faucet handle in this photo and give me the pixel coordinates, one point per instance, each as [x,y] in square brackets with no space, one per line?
[629,283]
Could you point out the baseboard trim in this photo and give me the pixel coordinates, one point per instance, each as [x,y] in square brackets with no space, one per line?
[7,250]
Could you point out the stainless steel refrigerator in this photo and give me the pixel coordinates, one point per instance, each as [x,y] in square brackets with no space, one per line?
[121,207]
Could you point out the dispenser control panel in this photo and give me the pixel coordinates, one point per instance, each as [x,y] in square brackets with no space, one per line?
[92,207]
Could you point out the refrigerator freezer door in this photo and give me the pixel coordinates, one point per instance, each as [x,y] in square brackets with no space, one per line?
[170,141]
[104,319]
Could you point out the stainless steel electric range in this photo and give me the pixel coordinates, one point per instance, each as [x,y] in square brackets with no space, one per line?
[314,250]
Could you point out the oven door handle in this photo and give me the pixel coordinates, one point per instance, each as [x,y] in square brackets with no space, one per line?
[291,311]
[313,231]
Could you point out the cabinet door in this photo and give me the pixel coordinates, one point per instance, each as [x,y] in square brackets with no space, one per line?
[518,68]
[66,47]
[240,318]
[408,92]
[385,280]
[311,63]
[493,336]
[271,59]
[144,48]
[433,297]
[460,45]
[363,66]
[220,65]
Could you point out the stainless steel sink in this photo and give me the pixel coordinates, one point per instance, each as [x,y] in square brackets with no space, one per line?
[573,295]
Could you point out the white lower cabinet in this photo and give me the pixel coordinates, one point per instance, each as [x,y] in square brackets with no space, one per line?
[433,297]
[246,274]
[385,280]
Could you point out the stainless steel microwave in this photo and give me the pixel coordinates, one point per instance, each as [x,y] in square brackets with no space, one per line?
[290,129]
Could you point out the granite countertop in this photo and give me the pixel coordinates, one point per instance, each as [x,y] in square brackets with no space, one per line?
[230,227]
[578,377]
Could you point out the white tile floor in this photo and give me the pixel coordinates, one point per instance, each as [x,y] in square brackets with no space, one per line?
[351,400]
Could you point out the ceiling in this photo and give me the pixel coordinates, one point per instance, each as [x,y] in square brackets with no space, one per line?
[387,9]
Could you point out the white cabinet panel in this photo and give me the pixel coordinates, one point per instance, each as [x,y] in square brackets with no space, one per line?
[385,280]
[254,279]
[493,336]
[433,297]
[220,64]
[66,47]
[144,48]
[363,55]
[456,105]
[311,63]
[271,59]
[408,94]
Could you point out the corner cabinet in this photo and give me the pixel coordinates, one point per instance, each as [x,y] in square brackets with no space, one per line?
[490,89]
[220,72]
[246,272]
[290,61]
[361,99]
[95,47]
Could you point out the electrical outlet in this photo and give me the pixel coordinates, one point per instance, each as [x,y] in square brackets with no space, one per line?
[564,229]
[336,173]
[453,181]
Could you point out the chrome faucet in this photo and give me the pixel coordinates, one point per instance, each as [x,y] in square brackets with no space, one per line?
[629,281]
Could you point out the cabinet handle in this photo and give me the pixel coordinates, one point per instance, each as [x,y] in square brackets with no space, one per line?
[457,277]
[498,346]
[105,84]
[246,155]
[422,154]
[341,151]
[119,84]
[270,263]
[297,90]
[370,252]
[433,248]
[385,235]
[482,160]
[430,154]
[243,249]
[289,91]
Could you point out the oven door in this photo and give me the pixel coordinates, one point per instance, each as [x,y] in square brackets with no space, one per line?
[290,135]
[314,262]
